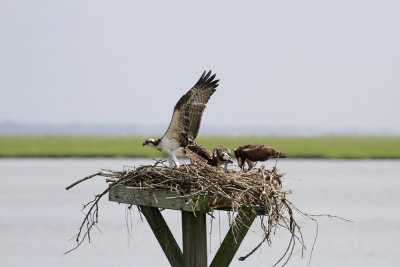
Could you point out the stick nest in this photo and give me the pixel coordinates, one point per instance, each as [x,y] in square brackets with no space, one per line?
[259,190]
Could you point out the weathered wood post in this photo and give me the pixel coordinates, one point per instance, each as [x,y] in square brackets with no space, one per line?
[194,230]
[164,236]
[233,239]
[194,233]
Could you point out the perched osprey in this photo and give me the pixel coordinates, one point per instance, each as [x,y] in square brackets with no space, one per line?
[222,156]
[185,121]
[254,152]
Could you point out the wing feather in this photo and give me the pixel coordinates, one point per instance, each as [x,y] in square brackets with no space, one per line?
[201,151]
[188,111]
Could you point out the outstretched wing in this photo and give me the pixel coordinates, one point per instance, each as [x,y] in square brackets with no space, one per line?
[188,111]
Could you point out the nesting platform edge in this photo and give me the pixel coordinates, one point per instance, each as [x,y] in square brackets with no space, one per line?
[166,199]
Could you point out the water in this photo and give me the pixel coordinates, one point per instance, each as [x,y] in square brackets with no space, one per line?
[38,217]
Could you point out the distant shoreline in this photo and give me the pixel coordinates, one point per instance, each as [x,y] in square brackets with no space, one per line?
[322,147]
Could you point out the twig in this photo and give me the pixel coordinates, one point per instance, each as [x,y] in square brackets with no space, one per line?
[81,180]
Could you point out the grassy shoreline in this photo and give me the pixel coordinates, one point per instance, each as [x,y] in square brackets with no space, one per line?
[326,147]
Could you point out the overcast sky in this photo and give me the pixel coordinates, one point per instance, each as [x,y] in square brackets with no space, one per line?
[324,64]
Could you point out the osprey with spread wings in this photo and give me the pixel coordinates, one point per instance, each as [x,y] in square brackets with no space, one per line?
[186,119]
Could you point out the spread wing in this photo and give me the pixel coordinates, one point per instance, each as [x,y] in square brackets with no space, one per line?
[186,119]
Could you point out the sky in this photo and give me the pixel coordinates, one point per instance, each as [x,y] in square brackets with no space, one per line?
[295,64]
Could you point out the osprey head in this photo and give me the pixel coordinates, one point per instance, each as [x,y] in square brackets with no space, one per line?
[222,154]
[226,157]
[152,142]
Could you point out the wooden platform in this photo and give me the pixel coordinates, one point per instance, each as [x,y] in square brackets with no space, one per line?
[166,199]
[194,232]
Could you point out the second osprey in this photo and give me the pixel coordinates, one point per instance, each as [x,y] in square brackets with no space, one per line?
[255,152]
[185,121]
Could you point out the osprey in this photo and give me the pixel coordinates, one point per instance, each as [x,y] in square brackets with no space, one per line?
[254,152]
[185,121]
[222,156]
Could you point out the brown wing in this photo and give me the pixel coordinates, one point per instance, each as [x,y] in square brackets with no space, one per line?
[201,151]
[256,152]
[195,157]
[248,146]
[190,107]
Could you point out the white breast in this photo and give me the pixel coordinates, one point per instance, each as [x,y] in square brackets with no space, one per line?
[172,145]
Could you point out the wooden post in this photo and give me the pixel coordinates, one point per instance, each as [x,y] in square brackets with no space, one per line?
[194,230]
[163,235]
[194,233]
[233,239]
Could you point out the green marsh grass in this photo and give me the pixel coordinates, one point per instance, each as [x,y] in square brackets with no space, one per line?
[333,147]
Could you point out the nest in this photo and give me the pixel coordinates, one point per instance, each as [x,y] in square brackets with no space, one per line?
[259,190]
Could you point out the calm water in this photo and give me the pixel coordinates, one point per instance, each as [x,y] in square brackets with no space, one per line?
[38,217]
